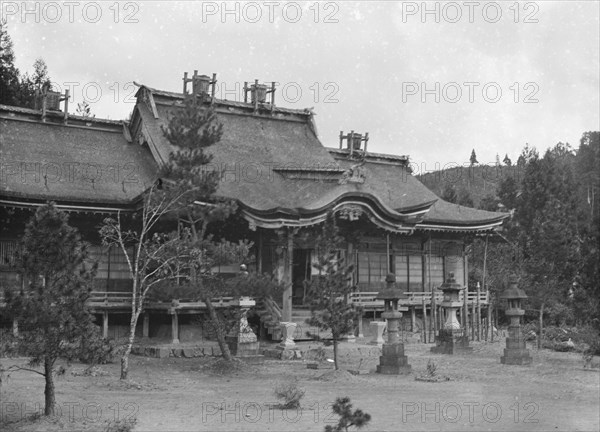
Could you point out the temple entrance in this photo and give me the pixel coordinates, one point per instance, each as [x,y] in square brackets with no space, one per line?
[301,272]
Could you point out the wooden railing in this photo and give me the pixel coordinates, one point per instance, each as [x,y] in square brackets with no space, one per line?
[8,253]
[108,298]
[100,298]
[368,299]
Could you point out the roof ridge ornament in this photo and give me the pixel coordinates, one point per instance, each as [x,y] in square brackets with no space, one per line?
[354,174]
[258,94]
[354,141]
[201,84]
[50,100]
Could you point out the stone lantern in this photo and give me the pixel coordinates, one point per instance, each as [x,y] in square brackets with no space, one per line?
[392,361]
[451,338]
[241,339]
[515,352]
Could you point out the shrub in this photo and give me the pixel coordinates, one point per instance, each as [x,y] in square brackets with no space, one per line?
[125,425]
[97,351]
[290,393]
[343,408]
[431,368]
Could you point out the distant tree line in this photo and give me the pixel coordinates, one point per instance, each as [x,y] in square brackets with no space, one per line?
[552,238]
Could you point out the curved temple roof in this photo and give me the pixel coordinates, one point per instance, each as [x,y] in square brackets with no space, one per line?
[273,164]
[281,174]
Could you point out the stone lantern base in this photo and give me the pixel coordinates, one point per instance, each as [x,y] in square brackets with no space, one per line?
[515,352]
[241,340]
[451,342]
[393,361]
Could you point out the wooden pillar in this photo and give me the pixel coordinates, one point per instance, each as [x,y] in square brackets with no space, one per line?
[483,282]
[473,319]
[15,328]
[413,318]
[105,324]
[478,313]
[433,323]
[259,252]
[146,326]
[174,328]
[490,318]
[465,319]
[286,313]
[424,320]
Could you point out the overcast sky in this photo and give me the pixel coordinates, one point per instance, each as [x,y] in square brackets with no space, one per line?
[374,67]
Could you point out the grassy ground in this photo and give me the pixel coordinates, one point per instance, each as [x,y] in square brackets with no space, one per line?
[178,394]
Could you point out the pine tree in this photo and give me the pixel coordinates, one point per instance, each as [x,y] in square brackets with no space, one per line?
[464,198]
[489,203]
[328,294]
[40,77]
[587,169]
[191,130]
[507,193]
[84,110]
[343,408]
[473,158]
[51,311]
[39,81]
[449,194]
[546,230]
[9,74]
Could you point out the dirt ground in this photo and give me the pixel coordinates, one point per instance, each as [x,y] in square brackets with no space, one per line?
[555,393]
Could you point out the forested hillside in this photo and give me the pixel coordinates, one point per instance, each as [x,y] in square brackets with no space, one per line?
[552,239]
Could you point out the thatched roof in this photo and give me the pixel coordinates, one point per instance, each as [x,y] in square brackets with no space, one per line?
[274,165]
[281,174]
[71,162]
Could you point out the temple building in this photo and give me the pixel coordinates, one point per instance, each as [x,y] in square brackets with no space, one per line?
[274,165]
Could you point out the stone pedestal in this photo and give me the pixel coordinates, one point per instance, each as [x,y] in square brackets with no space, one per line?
[360,326]
[393,361]
[287,330]
[515,352]
[449,341]
[241,339]
[377,328]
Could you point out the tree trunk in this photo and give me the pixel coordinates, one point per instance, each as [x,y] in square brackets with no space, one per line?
[130,340]
[335,353]
[218,330]
[50,400]
[541,331]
